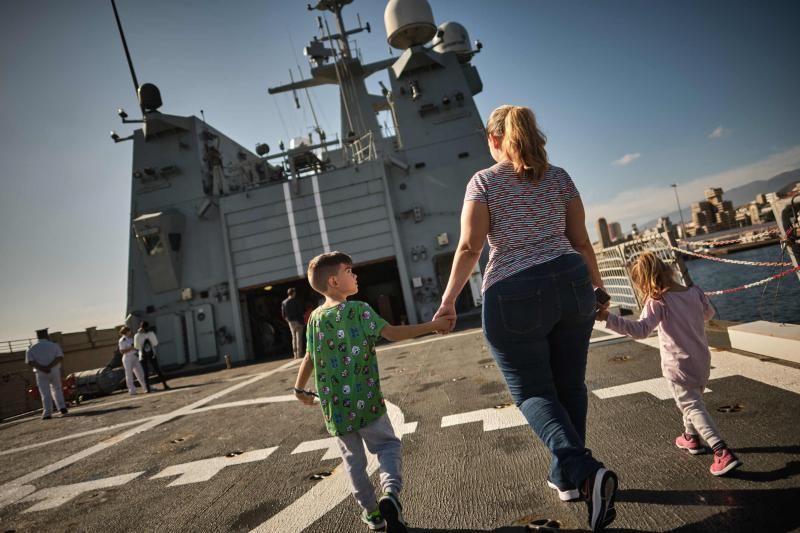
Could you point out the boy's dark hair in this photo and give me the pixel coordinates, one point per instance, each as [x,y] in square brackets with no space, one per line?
[290,292]
[323,267]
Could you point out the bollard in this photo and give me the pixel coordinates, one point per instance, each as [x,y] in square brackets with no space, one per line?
[228,361]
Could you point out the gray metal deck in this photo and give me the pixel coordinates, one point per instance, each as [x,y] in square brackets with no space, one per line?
[238,430]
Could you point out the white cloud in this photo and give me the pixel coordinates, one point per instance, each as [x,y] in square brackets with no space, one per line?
[649,202]
[626,159]
[719,133]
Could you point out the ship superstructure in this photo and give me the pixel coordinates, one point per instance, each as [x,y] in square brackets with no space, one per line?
[218,233]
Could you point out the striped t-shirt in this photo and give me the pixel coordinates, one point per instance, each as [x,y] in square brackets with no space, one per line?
[527,220]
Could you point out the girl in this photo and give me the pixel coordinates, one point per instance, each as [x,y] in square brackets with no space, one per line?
[680,314]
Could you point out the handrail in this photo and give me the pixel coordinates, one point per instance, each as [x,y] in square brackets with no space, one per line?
[15,345]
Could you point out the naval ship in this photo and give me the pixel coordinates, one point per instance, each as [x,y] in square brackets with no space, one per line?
[219,233]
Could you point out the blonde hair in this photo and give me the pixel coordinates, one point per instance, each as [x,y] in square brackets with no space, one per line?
[523,142]
[651,276]
[323,266]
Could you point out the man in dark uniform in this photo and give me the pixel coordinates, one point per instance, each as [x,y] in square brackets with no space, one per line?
[292,313]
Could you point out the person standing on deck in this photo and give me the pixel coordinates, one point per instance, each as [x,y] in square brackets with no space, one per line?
[292,313]
[45,357]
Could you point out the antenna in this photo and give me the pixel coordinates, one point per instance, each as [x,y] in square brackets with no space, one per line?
[294,93]
[128,56]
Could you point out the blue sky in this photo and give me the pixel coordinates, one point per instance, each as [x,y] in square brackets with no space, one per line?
[651,81]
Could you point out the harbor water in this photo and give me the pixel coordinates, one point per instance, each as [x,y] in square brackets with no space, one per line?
[777,301]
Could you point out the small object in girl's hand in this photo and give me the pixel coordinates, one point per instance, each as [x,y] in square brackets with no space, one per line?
[306,392]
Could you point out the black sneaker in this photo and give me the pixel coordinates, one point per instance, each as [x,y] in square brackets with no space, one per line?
[599,491]
[392,512]
[64,412]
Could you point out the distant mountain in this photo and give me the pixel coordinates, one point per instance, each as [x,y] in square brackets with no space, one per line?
[739,195]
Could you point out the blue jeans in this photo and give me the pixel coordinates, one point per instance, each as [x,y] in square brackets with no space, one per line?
[537,324]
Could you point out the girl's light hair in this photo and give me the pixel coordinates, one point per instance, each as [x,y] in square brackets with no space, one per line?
[523,142]
[651,276]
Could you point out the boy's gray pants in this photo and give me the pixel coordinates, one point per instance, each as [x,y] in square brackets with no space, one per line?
[380,439]
[696,419]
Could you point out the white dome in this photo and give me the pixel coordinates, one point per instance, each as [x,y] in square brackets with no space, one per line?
[408,23]
[451,37]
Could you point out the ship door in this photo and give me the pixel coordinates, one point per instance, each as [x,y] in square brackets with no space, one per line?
[203,334]
[171,331]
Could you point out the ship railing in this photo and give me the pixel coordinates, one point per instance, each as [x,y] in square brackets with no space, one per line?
[363,148]
[16,345]
[615,261]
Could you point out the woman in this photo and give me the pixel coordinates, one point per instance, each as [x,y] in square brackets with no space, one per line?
[539,305]
[130,361]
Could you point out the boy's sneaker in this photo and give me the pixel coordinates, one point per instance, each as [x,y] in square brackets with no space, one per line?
[599,491]
[569,495]
[392,512]
[374,520]
[690,443]
[724,462]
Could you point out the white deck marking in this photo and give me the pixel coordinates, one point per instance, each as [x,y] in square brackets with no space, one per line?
[244,403]
[241,403]
[205,469]
[328,444]
[332,447]
[329,492]
[9,491]
[493,419]
[433,338]
[53,497]
[657,387]
[75,436]
[723,364]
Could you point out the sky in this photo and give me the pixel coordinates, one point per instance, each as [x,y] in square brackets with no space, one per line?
[632,95]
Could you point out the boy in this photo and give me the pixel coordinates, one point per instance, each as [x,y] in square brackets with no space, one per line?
[340,350]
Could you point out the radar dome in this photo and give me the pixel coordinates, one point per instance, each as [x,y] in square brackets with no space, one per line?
[451,37]
[408,23]
[150,97]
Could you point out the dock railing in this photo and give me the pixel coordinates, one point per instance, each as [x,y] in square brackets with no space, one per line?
[615,262]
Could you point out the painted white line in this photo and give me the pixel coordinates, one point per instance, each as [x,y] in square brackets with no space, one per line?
[205,469]
[435,338]
[8,492]
[241,403]
[657,387]
[328,444]
[329,492]
[493,419]
[323,230]
[287,197]
[136,398]
[245,403]
[723,364]
[75,436]
[53,497]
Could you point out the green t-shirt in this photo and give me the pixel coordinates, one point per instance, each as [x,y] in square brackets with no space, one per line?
[341,341]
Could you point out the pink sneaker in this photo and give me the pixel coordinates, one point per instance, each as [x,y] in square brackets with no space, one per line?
[724,462]
[690,443]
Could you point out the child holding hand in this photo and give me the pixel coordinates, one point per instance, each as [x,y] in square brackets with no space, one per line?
[340,352]
[680,313]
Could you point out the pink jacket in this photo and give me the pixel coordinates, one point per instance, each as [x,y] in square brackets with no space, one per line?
[680,317]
